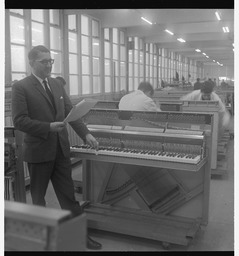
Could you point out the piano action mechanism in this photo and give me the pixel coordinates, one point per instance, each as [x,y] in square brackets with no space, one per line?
[150,177]
[211,107]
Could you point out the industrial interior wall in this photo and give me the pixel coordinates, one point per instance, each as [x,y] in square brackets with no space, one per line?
[215,71]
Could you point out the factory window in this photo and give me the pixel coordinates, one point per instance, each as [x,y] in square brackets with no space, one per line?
[85,44]
[134,62]
[17,45]
[90,50]
[130,58]
[163,65]
[107,61]
[114,60]
[37,15]
[151,64]
[122,49]
[147,62]
[54,17]
[85,65]
[72,41]
[37,34]
[115,35]
[72,22]
[86,83]
[159,67]
[17,11]
[154,66]
[73,64]
[18,62]
[95,28]
[96,57]
[84,55]
[17,30]
[56,42]
[107,34]
[27,28]
[73,56]
[84,25]
[141,60]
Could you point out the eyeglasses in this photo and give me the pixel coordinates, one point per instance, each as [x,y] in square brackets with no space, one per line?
[45,62]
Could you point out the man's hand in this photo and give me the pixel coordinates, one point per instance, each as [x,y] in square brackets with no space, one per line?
[57,126]
[92,141]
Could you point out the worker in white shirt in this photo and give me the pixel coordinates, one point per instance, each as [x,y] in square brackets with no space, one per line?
[206,93]
[140,99]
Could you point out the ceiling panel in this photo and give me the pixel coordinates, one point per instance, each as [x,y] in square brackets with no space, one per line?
[199,27]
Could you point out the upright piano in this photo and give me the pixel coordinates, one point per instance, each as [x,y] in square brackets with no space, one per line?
[150,176]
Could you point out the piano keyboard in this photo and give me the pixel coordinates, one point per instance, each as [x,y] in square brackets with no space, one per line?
[141,154]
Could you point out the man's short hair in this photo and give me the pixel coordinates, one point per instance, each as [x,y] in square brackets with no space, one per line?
[207,87]
[61,79]
[146,87]
[33,54]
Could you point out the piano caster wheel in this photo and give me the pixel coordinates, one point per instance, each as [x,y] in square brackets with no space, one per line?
[166,245]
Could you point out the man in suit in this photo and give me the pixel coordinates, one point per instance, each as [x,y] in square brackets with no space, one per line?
[39,106]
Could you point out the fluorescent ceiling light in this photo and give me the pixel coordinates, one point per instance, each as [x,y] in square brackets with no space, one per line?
[204,53]
[146,20]
[221,64]
[218,16]
[213,60]
[171,33]
[207,56]
[218,63]
[181,40]
[198,50]
[225,29]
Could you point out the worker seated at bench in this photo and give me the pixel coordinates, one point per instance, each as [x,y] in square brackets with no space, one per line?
[140,99]
[206,93]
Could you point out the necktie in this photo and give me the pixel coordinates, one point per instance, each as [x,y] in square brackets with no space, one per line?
[49,93]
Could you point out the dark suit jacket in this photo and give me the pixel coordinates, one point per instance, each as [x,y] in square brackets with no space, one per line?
[32,113]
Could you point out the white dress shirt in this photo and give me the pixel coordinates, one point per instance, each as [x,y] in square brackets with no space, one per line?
[41,81]
[223,113]
[137,100]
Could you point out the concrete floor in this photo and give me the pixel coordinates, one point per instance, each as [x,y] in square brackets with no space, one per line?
[218,235]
